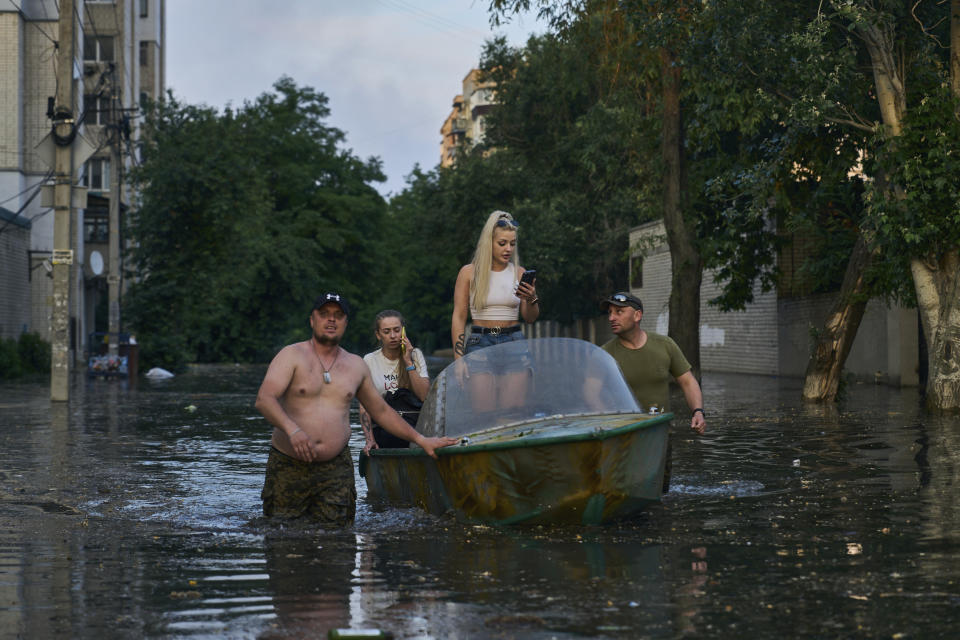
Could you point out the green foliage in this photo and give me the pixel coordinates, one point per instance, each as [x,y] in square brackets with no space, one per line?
[434,224]
[244,217]
[10,366]
[782,104]
[575,120]
[923,162]
[27,355]
[34,353]
[565,153]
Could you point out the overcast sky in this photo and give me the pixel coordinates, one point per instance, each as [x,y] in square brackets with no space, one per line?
[390,68]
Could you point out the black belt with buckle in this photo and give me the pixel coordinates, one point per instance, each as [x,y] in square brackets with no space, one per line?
[495,331]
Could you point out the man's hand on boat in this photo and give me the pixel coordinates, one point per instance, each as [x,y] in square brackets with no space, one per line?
[430,445]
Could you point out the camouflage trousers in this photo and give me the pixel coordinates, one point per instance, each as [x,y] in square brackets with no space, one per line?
[322,491]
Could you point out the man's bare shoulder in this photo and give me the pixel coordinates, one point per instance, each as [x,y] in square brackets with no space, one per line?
[353,361]
[295,350]
[291,355]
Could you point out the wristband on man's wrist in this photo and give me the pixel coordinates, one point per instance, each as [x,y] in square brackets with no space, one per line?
[701,411]
[412,367]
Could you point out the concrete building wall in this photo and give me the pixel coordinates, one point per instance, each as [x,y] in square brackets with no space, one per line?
[11,91]
[773,335]
[14,276]
[886,348]
[40,83]
[740,342]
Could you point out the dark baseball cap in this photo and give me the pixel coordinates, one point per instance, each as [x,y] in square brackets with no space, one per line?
[622,299]
[335,298]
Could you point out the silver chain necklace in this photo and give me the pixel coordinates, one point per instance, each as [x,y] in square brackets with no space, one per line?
[326,372]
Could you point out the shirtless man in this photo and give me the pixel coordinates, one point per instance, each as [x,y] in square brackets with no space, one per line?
[306,396]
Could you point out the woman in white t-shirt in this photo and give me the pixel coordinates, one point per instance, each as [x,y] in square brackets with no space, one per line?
[395,365]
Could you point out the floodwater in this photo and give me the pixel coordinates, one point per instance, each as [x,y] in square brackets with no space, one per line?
[124,514]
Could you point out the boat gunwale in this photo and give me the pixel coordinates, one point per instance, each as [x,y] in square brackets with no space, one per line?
[518,442]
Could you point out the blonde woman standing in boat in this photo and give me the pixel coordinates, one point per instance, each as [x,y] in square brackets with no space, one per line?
[491,289]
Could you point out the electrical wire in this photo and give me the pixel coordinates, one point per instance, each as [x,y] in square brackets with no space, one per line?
[36,190]
[17,195]
[435,21]
[33,22]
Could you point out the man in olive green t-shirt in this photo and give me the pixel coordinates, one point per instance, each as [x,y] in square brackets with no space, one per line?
[649,360]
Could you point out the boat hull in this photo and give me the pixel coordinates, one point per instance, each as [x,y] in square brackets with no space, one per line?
[577,470]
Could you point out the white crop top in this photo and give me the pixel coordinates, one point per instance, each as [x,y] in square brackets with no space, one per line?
[502,302]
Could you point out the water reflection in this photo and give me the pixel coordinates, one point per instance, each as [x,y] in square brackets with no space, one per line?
[126,513]
[310,581]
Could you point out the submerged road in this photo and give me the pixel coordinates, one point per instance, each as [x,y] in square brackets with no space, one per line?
[125,513]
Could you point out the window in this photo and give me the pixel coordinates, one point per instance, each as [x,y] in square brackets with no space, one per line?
[97,48]
[636,272]
[144,8]
[96,174]
[96,109]
[96,226]
[144,53]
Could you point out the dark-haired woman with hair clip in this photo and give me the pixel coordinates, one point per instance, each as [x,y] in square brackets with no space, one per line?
[399,372]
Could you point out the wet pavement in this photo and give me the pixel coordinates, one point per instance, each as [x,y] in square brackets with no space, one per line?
[125,514]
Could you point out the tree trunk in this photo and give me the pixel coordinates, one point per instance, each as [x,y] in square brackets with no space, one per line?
[822,379]
[685,258]
[938,296]
[937,283]
[833,346]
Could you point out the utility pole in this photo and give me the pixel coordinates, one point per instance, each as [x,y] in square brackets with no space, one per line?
[64,129]
[113,249]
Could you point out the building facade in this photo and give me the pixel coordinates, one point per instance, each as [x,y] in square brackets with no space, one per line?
[773,335]
[119,63]
[466,126]
[15,274]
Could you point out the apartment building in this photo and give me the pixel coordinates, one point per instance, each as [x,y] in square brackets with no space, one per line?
[118,63]
[465,126]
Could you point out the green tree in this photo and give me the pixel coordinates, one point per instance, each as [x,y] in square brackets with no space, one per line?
[562,154]
[840,70]
[244,217]
[433,226]
[574,120]
[633,50]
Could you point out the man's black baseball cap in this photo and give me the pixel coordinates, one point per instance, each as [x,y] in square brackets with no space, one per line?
[335,298]
[622,299]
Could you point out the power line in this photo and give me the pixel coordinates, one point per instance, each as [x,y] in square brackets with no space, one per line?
[36,190]
[17,195]
[33,22]
[434,21]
